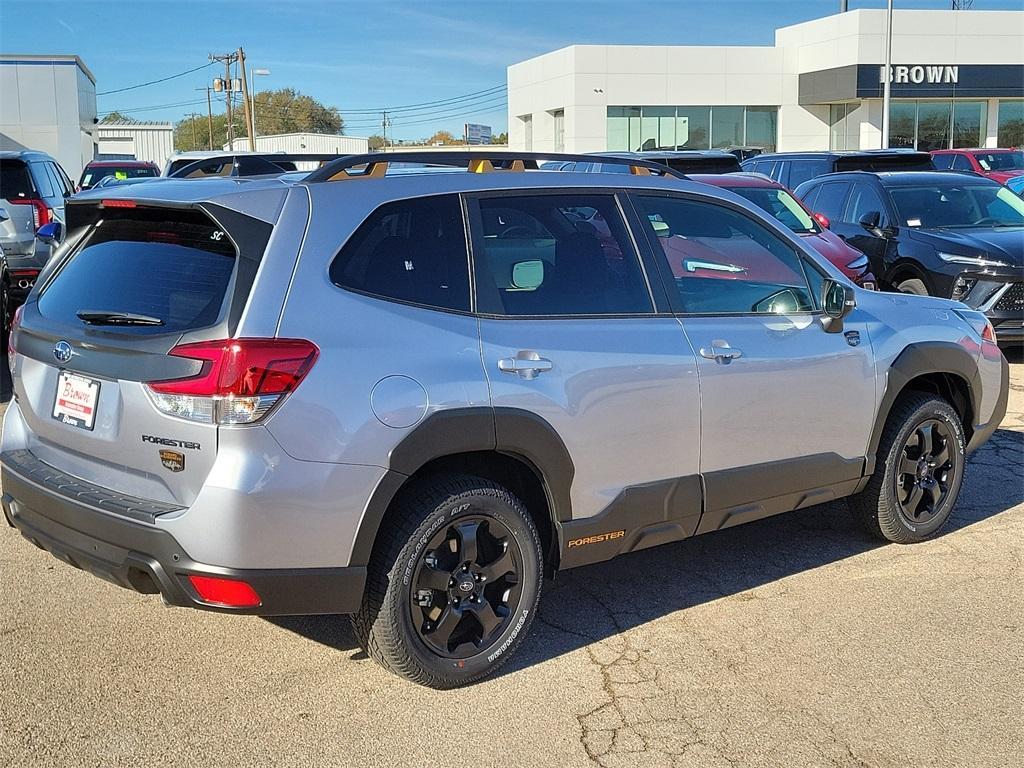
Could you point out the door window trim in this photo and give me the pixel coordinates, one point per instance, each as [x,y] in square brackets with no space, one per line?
[675,300]
[618,197]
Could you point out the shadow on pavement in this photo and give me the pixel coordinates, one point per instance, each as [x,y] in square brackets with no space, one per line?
[590,604]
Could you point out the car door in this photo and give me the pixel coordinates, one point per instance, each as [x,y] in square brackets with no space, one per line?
[574,332]
[863,199]
[786,407]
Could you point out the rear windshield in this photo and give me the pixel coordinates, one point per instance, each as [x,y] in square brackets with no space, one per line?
[92,175]
[165,264]
[918,161]
[1000,161]
[781,205]
[702,164]
[15,183]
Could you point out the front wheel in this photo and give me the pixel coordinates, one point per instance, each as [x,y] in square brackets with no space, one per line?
[453,583]
[914,286]
[920,469]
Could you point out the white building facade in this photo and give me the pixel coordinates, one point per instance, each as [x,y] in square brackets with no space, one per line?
[957,81]
[131,140]
[48,103]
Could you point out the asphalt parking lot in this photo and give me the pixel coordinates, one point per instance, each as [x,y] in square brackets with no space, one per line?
[793,641]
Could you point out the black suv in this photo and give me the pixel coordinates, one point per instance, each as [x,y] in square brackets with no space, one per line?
[937,234]
[791,169]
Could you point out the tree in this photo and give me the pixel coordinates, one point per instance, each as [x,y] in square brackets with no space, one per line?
[282,111]
[442,137]
[501,138]
[116,117]
[376,142]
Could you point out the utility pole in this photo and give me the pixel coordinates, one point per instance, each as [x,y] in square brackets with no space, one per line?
[384,125]
[229,87]
[192,117]
[209,113]
[246,104]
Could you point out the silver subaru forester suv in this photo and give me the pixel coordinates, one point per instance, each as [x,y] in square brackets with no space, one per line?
[409,396]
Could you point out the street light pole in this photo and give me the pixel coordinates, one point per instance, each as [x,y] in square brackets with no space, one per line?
[887,80]
[253,74]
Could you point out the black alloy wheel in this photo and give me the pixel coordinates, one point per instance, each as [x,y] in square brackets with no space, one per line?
[925,471]
[466,587]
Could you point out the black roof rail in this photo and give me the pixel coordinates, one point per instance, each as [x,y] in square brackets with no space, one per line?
[375,164]
[233,164]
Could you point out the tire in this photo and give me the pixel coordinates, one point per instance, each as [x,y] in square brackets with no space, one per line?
[915,286]
[418,592]
[886,507]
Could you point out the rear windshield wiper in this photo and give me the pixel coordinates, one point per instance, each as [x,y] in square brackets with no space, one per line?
[93,317]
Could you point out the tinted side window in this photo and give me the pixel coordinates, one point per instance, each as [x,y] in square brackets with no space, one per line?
[55,181]
[961,163]
[943,162]
[724,262]
[805,170]
[42,179]
[865,198]
[556,255]
[810,199]
[831,197]
[409,250]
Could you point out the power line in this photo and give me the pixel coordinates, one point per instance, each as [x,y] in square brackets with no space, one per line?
[436,103]
[154,82]
[442,115]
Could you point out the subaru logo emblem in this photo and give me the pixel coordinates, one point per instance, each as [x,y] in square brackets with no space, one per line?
[62,351]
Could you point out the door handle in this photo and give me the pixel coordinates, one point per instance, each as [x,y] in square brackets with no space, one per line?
[720,352]
[527,364]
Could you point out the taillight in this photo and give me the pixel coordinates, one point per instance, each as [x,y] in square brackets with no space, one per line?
[40,213]
[988,333]
[822,220]
[15,322]
[228,592]
[240,382]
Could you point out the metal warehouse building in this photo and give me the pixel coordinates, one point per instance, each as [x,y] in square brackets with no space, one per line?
[957,81]
[131,140]
[306,142]
[48,103]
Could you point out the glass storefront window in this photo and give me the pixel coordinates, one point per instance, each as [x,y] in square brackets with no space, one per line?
[903,124]
[1011,123]
[761,128]
[933,121]
[844,126]
[969,119]
[726,127]
[658,128]
[693,127]
[559,120]
[647,128]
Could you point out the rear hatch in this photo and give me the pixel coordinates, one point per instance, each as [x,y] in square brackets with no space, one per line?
[19,214]
[143,280]
[878,162]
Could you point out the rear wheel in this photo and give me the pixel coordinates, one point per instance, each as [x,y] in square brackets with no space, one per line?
[915,286]
[453,584]
[919,472]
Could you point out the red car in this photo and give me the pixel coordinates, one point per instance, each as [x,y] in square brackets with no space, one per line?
[997,164]
[778,201]
[122,169]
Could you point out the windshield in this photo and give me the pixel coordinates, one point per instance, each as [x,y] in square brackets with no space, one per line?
[964,205]
[91,175]
[781,205]
[1000,161]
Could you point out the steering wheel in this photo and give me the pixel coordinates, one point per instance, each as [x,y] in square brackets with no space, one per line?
[517,229]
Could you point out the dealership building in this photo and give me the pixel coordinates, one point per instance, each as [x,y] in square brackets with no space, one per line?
[957,81]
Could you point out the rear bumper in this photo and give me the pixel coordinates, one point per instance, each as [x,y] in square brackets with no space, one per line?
[144,558]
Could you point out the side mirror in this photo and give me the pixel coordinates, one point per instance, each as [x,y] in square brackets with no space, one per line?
[51,233]
[872,222]
[837,301]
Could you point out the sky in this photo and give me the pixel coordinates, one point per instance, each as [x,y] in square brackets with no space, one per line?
[362,57]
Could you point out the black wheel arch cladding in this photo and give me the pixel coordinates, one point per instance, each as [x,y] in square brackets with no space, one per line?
[520,434]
